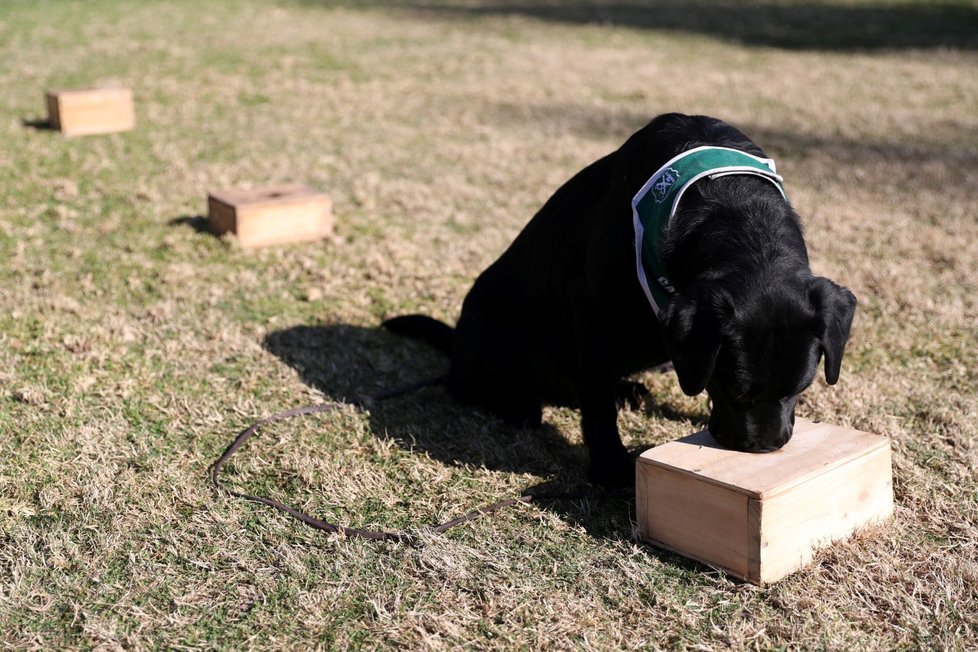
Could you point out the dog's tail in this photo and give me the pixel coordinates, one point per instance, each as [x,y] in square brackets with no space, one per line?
[427,329]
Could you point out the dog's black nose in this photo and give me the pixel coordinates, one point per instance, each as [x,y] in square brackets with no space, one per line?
[755,445]
[786,433]
[774,443]
[750,436]
[782,438]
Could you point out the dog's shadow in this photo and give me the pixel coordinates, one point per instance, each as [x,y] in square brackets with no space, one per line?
[353,363]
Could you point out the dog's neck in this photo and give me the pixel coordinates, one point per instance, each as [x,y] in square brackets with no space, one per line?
[655,206]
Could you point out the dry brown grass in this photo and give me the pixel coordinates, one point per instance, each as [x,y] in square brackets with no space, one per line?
[132,346]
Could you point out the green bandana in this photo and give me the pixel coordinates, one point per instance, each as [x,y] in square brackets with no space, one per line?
[655,204]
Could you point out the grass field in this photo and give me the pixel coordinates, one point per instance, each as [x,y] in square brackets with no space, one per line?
[133,345]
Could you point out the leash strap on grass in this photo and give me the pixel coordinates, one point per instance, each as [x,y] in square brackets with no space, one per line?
[376,535]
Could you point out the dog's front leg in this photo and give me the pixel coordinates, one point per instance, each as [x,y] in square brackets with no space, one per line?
[611,465]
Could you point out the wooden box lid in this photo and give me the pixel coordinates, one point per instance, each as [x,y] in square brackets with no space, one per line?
[815,448]
[268,195]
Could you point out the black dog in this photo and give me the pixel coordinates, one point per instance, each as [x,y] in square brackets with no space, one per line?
[587,295]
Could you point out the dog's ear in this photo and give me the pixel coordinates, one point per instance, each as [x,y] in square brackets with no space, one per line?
[834,306]
[692,335]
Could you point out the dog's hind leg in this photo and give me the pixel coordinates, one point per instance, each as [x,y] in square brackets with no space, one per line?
[475,381]
[491,366]
[511,403]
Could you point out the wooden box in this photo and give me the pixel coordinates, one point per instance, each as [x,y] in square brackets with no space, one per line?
[271,215]
[761,516]
[91,110]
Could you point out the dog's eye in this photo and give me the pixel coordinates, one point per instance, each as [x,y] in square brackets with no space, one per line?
[744,401]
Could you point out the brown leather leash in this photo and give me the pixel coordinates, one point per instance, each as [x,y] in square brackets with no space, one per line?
[377,535]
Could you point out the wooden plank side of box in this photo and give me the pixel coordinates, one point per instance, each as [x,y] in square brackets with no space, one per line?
[86,111]
[221,215]
[697,519]
[826,508]
[260,226]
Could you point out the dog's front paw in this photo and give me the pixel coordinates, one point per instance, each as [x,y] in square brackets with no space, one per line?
[613,470]
[631,394]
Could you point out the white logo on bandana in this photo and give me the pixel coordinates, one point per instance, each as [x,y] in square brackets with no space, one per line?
[665,181]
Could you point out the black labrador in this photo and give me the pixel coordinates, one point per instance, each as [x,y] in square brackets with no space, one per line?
[566,312]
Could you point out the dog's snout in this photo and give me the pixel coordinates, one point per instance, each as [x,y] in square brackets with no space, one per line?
[786,433]
[770,443]
[775,443]
[752,437]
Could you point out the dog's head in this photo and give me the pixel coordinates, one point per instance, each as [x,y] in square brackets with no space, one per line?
[756,351]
